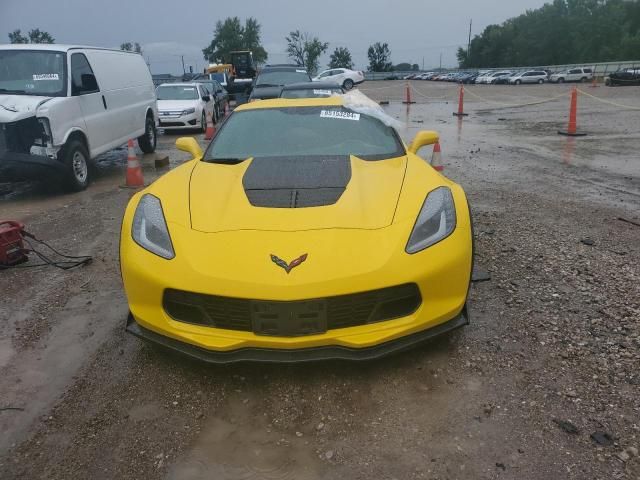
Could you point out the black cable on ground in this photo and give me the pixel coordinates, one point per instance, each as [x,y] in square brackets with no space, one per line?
[72,262]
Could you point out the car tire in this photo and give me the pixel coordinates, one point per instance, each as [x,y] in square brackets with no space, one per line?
[583,80]
[347,84]
[518,82]
[541,81]
[203,122]
[76,160]
[561,80]
[148,141]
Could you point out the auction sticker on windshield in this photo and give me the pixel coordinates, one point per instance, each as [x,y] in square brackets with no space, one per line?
[46,76]
[339,114]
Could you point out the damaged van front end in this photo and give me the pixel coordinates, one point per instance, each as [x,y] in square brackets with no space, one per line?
[26,148]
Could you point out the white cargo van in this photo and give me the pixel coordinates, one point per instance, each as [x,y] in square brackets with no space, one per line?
[62,106]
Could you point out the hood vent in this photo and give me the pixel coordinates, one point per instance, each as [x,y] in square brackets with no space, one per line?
[296,182]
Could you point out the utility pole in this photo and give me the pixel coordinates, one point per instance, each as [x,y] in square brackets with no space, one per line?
[440,61]
[423,64]
[469,44]
[183,70]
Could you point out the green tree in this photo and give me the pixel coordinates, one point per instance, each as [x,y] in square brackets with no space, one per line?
[230,36]
[305,49]
[341,58]
[34,36]
[131,47]
[251,40]
[560,32]
[379,57]
[402,67]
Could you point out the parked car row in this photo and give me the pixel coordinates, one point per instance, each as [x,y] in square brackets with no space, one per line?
[507,77]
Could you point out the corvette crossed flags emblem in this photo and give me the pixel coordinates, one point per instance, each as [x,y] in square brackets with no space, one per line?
[287,267]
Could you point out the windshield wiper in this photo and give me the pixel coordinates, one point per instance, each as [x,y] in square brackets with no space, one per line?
[4,90]
[226,161]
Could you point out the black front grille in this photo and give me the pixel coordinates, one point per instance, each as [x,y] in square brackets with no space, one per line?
[171,124]
[295,318]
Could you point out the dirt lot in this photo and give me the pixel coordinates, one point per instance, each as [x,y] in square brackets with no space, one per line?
[544,383]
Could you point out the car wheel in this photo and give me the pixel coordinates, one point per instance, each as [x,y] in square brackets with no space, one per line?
[518,82]
[147,142]
[541,81]
[348,84]
[561,80]
[75,158]
[583,80]
[203,122]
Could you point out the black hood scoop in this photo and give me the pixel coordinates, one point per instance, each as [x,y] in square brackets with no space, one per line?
[296,182]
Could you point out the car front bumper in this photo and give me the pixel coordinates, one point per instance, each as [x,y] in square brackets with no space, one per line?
[24,166]
[178,121]
[300,355]
[340,262]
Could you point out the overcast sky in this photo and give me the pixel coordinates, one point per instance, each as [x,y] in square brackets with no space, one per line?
[414,29]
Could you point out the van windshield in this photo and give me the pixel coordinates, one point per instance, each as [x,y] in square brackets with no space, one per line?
[177,92]
[33,72]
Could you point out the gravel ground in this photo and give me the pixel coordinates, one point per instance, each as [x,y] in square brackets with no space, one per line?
[543,384]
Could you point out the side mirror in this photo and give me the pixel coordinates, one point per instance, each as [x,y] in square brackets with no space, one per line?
[206,98]
[189,145]
[422,139]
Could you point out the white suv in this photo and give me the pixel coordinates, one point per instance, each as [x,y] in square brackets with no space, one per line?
[531,76]
[573,75]
[62,106]
[342,76]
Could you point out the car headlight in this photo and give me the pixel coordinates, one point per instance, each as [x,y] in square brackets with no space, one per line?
[189,111]
[149,228]
[436,220]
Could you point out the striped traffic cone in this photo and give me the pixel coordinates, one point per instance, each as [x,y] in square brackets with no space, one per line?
[211,130]
[226,109]
[436,160]
[407,95]
[134,169]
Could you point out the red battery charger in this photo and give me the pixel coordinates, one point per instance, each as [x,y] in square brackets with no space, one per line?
[12,250]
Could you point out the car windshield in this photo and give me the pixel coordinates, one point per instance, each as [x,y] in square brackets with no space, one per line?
[303,131]
[33,72]
[176,92]
[282,77]
[310,92]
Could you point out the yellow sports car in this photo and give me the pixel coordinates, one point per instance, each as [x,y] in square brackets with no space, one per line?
[307,230]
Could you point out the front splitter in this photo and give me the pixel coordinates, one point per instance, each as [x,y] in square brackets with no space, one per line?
[301,355]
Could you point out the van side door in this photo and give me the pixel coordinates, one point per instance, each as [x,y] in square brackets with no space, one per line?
[84,86]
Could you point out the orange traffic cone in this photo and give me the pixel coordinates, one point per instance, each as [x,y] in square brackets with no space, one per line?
[134,169]
[407,99]
[573,116]
[436,160]
[594,82]
[460,112]
[211,130]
